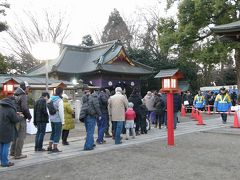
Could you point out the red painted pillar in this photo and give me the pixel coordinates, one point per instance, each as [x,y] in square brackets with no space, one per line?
[170,119]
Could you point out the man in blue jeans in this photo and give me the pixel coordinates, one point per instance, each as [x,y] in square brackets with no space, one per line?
[90,123]
[41,120]
[102,123]
[117,105]
[93,114]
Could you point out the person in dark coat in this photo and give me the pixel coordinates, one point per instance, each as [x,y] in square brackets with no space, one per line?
[160,110]
[107,134]
[94,114]
[102,123]
[143,123]
[210,99]
[8,120]
[234,98]
[177,103]
[188,101]
[40,120]
[22,106]
[136,99]
[84,108]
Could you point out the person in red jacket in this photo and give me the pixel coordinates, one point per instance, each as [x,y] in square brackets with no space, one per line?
[130,115]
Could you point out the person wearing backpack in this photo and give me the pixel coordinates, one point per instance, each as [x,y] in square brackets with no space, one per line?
[40,120]
[102,123]
[57,120]
[93,114]
[84,108]
[8,120]
[21,99]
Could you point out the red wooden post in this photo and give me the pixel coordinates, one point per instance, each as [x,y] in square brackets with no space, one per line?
[170,86]
[170,119]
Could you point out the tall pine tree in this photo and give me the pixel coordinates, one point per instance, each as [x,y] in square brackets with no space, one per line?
[116,28]
[87,40]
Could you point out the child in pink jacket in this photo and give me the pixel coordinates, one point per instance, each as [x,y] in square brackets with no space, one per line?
[130,115]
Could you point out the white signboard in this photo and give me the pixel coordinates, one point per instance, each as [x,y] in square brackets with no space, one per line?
[31,129]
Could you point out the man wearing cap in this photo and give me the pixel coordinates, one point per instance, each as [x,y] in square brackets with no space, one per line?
[117,105]
[22,106]
[223,104]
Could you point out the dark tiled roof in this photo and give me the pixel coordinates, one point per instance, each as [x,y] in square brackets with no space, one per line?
[78,59]
[30,80]
[122,68]
[227,28]
[166,73]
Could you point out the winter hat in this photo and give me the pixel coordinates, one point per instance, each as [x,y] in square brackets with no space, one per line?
[130,104]
[24,85]
[65,96]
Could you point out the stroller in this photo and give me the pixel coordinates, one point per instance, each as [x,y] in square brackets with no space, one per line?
[150,119]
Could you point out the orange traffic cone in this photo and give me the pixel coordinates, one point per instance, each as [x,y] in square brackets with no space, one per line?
[200,120]
[193,113]
[183,112]
[209,110]
[235,122]
[196,115]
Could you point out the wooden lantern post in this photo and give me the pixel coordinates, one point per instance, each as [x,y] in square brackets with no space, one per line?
[8,87]
[170,86]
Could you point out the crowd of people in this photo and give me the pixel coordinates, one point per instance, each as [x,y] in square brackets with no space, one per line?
[114,115]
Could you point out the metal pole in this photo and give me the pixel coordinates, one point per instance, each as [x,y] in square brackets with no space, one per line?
[170,119]
[46,75]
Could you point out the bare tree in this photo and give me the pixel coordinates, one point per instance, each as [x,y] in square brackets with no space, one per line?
[3,6]
[145,35]
[24,34]
[134,27]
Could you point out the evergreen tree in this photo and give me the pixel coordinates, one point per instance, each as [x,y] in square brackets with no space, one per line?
[190,40]
[87,40]
[3,6]
[3,65]
[116,28]
[3,27]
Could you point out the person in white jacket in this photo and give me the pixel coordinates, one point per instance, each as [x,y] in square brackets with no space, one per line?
[117,105]
[57,120]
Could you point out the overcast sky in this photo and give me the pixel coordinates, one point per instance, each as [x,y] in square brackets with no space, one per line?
[85,16]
